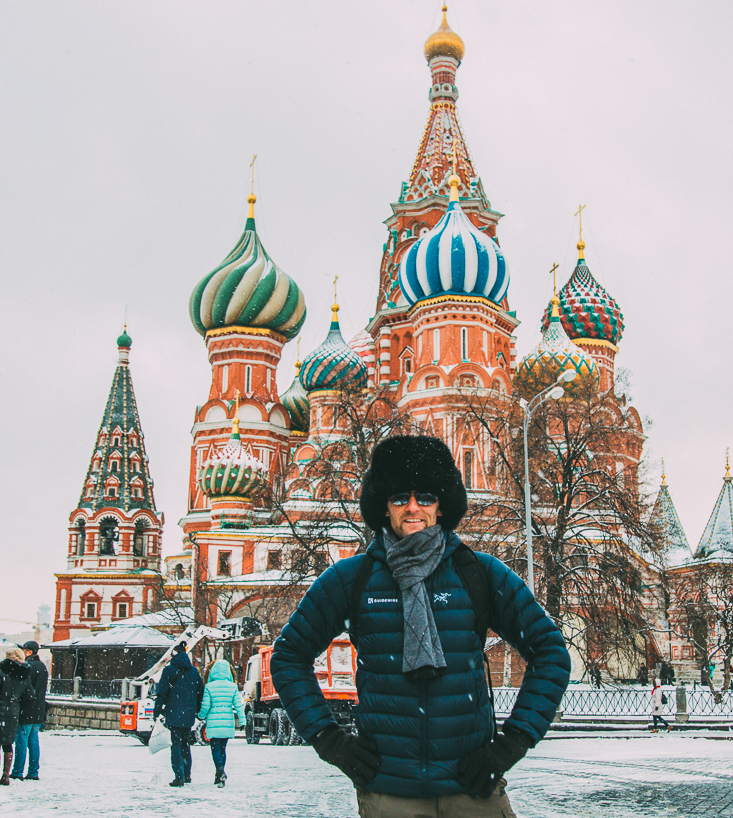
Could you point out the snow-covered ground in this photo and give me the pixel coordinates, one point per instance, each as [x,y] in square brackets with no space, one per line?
[91,774]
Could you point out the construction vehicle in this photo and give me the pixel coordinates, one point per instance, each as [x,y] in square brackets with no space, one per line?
[264,714]
[138,701]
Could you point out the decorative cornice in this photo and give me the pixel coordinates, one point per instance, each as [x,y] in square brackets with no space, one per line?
[267,333]
[595,342]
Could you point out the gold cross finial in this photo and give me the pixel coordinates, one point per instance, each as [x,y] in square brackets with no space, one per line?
[252,165]
[581,243]
[727,464]
[251,199]
[335,306]
[297,360]
[554,281]
[454,179]
[235,421]
[664,477]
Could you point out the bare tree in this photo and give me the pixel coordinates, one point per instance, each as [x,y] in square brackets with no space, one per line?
[591,535]
[702,614]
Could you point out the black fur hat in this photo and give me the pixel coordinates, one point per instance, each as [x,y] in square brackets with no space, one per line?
[410,463]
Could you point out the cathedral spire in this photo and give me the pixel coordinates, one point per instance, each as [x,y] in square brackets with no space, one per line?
[118,475]
[443,144]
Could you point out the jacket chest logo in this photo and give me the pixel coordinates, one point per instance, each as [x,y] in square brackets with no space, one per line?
[442,598]
[375,600]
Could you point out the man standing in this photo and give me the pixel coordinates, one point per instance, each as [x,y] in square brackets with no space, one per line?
[180,692]
[32,717]
[427,743]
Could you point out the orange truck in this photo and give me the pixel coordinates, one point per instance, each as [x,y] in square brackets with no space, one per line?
[264,714]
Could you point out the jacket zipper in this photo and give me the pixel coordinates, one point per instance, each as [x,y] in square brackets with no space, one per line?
[424,735]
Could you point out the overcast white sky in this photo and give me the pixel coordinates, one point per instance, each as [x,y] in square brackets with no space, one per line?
[125,142]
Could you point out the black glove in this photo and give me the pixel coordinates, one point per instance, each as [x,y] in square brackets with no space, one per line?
[479,772]
[356,757]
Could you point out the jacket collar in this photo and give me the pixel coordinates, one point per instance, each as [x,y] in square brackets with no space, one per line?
[377,551]
[15,669]
[180,660]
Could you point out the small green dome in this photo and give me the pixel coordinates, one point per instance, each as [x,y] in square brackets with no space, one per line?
[124,340]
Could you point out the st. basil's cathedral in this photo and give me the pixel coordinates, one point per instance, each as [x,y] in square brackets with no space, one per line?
[442,325]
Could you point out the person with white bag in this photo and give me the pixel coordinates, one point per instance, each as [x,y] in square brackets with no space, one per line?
[180,692]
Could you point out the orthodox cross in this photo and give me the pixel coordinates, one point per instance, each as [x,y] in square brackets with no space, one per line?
[554,283]
[727,462]
[335,292]
[252,165]
[664,477]
[579,214]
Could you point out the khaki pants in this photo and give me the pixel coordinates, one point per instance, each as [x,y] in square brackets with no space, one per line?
[381,805]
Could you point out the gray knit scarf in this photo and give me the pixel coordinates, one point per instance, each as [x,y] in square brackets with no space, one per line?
[412,560]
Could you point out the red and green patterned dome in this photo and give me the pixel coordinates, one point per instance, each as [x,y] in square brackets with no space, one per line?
[586,309]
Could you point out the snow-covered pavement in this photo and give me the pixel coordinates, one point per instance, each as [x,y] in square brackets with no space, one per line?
[91,774]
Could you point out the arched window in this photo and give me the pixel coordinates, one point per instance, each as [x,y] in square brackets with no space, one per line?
[468,468]
[108,535]
[116,440]
[114,465]
[81,537]
[436,344]
[464,343]
[178,571]
[248,379]
[138,539]
[225,378]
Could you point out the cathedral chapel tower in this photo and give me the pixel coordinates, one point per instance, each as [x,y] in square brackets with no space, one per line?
[246,309]
[113,554]
[442,323]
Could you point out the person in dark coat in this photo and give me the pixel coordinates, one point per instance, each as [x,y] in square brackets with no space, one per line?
[32,717]
[15,692]
[180,692]
[426,734]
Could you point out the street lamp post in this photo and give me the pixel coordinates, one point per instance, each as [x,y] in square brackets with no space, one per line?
[550,393]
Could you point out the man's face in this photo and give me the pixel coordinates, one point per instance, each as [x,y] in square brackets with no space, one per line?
[413,516]
[27,652]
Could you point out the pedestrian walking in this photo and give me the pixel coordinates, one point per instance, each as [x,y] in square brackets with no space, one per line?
[32,717]
[221,701]
[417,606]
[659,699]
[180,692]
[15,692]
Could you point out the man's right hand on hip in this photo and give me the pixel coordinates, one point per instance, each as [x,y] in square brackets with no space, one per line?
[480,771]
[358,757]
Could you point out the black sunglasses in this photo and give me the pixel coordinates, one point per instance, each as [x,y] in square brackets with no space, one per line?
[422,498]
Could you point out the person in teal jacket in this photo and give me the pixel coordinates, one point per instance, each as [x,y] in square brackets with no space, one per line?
[221,700]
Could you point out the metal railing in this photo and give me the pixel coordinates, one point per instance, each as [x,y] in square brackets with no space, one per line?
[86,688]
[631,702]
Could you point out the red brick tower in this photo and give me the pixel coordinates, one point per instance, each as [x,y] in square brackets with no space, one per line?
[113,556]
[246,309]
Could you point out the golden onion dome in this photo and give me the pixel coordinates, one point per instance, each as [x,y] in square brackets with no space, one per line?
[554,354]
[444,42]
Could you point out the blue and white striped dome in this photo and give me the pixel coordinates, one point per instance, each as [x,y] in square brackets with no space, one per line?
[454,257]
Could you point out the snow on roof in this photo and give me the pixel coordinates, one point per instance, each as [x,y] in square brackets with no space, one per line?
[168,617]
[125,637]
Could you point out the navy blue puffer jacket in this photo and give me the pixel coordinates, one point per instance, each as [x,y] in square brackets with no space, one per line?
[423,728]
[180,691]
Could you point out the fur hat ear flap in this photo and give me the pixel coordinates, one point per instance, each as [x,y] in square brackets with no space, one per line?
[412,463]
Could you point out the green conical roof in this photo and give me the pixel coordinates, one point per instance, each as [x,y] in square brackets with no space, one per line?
[119,457]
